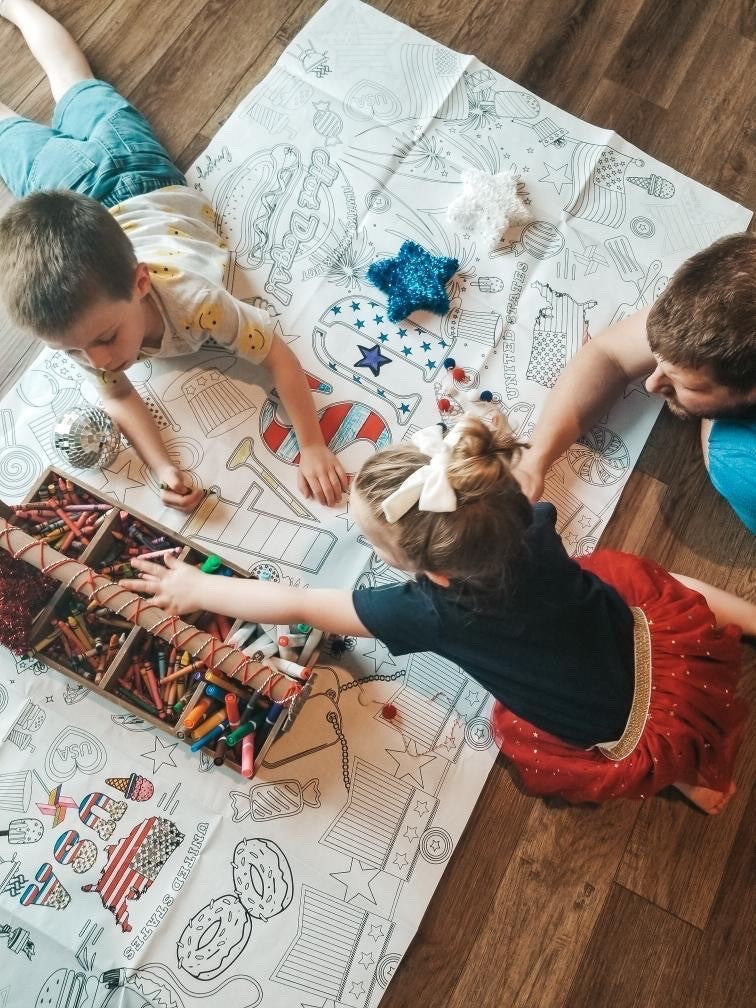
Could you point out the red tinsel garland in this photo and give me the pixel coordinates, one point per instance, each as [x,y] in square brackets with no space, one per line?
[23,592]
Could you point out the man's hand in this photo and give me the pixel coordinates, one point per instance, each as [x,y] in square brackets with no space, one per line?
[530,479]
[175,492]
[320,475]
[177,587]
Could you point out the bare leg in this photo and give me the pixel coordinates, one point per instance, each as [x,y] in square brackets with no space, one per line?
[727,608]
[709,801]
[50,44]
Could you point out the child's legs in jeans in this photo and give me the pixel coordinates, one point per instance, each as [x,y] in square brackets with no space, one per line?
[50,44]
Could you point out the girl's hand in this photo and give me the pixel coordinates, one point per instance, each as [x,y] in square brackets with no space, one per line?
[321,475]
[177,587]
[175,492]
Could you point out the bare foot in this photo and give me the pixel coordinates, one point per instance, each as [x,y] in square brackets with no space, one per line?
[707,799]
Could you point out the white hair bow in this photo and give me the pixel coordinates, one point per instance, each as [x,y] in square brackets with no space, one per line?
[428,486]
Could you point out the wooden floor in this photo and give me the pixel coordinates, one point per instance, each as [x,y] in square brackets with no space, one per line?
[551,907]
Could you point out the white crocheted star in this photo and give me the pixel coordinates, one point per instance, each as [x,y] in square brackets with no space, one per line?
[488,205]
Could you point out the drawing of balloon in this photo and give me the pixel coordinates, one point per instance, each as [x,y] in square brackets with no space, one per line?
[342,424]
[516,104]
[539,239]
[74,749]
[327,123]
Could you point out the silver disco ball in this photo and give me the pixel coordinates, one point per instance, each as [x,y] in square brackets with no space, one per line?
[87,437]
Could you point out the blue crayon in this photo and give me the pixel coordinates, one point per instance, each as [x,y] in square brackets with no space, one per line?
[210,737]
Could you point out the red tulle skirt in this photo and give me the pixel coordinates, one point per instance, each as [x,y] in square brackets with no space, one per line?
[695,722]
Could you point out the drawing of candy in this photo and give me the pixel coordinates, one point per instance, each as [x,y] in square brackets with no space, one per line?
[135,787]
[599,457]
[327,123]
[516,104]
[23,831]
[275,800]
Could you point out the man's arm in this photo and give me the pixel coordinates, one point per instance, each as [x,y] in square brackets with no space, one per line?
[594,378]
[320,473]
[127,408]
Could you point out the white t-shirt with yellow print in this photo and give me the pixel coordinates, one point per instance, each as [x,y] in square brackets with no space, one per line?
[173,232]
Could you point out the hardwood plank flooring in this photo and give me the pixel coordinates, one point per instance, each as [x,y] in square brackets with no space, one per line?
[647,904]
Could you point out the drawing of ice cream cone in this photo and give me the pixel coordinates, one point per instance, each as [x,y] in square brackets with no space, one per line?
[655,185]
[135,787]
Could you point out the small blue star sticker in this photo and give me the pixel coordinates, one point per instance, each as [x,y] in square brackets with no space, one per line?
[412,280]
[359,324]
[372,358]
[336,309]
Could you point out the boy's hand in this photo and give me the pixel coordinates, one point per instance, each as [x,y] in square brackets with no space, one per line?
[320,475]
[175,492]
[177,587]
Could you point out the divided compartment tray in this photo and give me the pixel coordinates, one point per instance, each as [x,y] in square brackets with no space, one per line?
[98,548]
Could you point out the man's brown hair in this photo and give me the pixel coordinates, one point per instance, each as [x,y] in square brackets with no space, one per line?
[60,253]
[706,316]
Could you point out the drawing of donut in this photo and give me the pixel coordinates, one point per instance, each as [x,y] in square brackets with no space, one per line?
[262,878]
[214,938]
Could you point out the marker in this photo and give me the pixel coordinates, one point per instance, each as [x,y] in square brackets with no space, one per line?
[282,636]
[211,565]
[261,648]
[209,724]
[313,639]
[219,757]
[216,692]
[209,737]
[292,640]
[232,710]
[242,634]
[195,715]
[248,756]
[245,728]
[267,726]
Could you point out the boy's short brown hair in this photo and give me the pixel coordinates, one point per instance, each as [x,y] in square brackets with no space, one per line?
[60,253]
[706,316]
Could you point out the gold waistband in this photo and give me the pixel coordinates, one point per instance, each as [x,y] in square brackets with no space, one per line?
[636,722]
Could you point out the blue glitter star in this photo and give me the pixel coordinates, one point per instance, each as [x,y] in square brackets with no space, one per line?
[355,305]
[336,309]
[426,346]
[407,351]
[413,279]
[372,358]
[404,408]
[359,324]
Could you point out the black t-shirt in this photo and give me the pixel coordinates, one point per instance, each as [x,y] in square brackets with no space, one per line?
[559,651]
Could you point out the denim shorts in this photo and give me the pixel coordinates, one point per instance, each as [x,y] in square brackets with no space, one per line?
[97,144]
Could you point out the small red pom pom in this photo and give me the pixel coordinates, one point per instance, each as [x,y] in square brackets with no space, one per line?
[458,374]
[444,405]
[389,711]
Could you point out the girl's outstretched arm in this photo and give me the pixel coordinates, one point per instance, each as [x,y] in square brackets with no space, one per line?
[180,588]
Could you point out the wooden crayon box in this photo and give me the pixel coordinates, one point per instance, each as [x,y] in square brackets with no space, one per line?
[97,648]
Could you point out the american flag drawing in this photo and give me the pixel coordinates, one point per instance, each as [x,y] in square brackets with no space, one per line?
[133,865]
[598,184]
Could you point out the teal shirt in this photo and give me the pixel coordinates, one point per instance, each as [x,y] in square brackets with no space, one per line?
[732,466]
